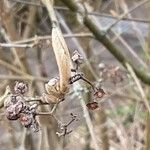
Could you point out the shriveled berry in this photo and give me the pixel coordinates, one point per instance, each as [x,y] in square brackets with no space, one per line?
[26,119]
[13,106]
[92,105]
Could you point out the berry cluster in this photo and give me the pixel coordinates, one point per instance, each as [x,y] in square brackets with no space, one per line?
[16,108]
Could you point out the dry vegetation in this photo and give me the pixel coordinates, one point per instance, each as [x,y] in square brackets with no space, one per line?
[74,74]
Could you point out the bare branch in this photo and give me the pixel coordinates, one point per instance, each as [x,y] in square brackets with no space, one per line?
[89,13]
[125,14]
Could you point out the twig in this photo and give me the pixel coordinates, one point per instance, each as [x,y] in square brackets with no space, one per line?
[47,37]
[2,98]
[43,114]
[64,127]
[16,70]
[9,45]
[139,86]
[78,77]
[12,34]
[11,67]
[129,48]
[89,13]
[31,20]
[86,115]
[125,14]
[27,77]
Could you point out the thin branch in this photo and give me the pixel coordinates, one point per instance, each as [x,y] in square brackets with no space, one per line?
[20,72]
[10,45]
[28,3]
[31,20]
[130,49]
[139,86]
[12,34]
[2,98]
[89,13]
[16,77]
[113,17]
[47,37]
[35,40]
[125,14]
[80,95]
[11,67]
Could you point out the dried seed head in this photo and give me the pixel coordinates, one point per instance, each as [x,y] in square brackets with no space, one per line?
[77,58]
[20,88]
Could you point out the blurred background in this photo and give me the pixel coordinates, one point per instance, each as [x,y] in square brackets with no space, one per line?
[122,120]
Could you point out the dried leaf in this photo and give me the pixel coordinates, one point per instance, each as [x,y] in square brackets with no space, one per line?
[62,57]
[92,105]
[99,93]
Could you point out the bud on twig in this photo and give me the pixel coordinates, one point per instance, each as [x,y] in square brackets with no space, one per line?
[20,88]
